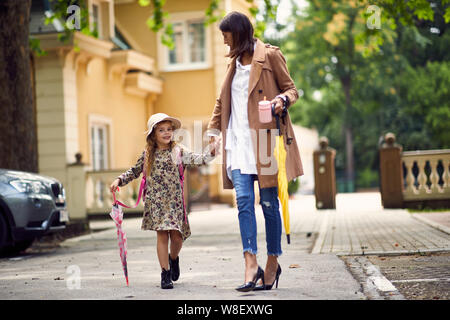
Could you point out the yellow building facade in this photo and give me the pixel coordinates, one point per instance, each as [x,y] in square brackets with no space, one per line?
[94,95]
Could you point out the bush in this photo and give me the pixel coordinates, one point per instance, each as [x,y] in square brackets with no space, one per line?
[367,178]
[293,186]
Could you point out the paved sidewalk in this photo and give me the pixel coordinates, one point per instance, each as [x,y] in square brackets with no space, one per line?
[211,264]
[211,259]
[360,225]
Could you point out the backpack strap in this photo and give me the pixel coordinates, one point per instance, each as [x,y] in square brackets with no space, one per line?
[181,171]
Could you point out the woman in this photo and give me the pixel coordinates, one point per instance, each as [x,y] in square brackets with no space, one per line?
[256,71]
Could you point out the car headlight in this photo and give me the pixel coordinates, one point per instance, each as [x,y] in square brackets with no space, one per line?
[28,186]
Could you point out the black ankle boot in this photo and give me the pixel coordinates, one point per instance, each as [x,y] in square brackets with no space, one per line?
[166,282]
[174,268]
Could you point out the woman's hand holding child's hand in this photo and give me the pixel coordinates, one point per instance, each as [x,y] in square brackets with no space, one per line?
[114,185]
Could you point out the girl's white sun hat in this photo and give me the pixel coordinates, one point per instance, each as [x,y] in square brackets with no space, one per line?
[159,117]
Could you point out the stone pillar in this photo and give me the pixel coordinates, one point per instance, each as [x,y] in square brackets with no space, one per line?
[324,176]
[391,173]
[76,189]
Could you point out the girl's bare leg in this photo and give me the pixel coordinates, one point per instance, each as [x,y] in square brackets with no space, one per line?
[176,242]
[162,248]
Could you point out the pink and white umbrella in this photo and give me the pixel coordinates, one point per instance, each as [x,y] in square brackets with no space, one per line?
[117,215]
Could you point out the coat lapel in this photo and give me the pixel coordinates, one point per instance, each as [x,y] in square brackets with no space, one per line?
[259,57]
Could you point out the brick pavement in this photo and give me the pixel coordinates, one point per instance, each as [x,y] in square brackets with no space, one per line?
[360,225]
[212,261]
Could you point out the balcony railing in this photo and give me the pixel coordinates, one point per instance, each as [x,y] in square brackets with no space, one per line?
[99,198]
[413,178]
[427,175]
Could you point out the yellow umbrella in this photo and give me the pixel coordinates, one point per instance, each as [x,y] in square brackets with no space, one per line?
[280,156]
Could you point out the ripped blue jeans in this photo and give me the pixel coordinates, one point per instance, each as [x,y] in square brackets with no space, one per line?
[245,196]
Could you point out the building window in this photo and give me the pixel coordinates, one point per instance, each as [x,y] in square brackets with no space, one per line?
[95,18]
[196,38]
[176,55]
[191,46]
[101,18]
[99,127]
[189,39]
[99,146]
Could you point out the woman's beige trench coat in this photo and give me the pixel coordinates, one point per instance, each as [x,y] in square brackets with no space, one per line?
[269,77]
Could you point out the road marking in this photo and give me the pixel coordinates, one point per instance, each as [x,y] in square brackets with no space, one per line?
[380,281]
[421,280]
[375,286]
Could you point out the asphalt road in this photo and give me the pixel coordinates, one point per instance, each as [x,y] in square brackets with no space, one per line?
[88,267]
[417,277]
[211,261]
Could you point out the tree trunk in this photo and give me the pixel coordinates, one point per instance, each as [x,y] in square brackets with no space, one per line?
[18,139]
[348,133]
[349,160]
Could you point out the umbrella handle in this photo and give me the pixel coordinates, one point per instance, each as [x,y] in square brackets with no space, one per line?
[283,112]
[114,196]
[141,192]
[277,117]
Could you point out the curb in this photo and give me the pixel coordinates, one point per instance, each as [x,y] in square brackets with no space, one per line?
[374,284]
[433,224]
[392,253]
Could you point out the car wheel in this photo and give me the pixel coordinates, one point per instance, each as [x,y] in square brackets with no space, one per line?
[3,232]
[20,246]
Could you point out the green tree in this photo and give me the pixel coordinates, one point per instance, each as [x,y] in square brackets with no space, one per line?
[323,49]
[370,81]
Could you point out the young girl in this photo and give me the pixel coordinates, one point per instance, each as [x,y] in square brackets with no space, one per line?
[164,209]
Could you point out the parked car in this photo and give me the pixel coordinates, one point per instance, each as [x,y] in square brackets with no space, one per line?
[31,206]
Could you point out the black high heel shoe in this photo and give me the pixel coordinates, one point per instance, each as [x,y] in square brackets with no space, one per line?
[269,286]
[249,286]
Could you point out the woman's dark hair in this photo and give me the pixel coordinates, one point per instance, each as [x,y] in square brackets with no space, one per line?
[242,32]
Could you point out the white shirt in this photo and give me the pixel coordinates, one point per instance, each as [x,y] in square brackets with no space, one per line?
[239,146]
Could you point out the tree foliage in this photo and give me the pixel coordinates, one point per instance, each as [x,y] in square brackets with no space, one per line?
[398,75]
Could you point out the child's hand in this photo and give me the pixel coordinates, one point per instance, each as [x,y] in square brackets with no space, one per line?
[215,145]
[114,185]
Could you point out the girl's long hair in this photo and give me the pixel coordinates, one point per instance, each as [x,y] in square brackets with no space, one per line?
[242,32]
[150,150]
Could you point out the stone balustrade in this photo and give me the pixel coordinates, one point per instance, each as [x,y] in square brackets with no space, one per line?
[413,178]
[99,199]
[427,174]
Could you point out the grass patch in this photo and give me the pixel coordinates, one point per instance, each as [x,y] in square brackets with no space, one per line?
[427,209]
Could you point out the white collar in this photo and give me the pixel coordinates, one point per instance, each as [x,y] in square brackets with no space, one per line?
[239,65]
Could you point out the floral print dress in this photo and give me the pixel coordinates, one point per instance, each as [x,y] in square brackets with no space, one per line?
[163,202]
